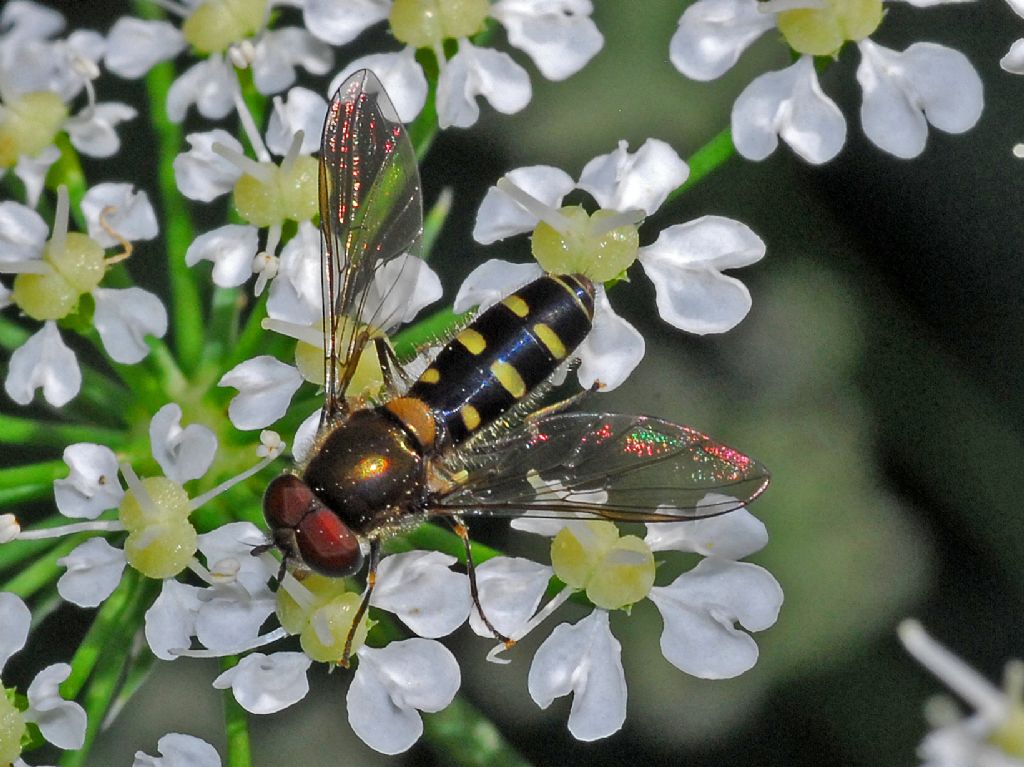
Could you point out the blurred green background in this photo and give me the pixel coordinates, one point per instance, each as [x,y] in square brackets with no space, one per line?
[877,376]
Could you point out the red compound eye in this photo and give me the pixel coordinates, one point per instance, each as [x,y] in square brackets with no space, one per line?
[325,543]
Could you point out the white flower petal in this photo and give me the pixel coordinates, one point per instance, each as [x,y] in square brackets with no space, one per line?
[183,454]
[91,487]
[500,216]
[476,72]
[134,46]
[201,173]
[583,659]
[94,570]
[124,318]
[713,33]
[730,536]
[510,591]
[231,248]
[558,35]
[208,85]
[700,609]
[132,216]
[265,388]
[788,104]
[389,686]
[62,722]
[229,621]
[399,73]
[23,233]
[1013,61]
[303,110]
[93,130]
[341,23]
[642,180]
[399,290]
[178,750]
[612,349]
[170,620]
[25,20]
[43,361]
[421,589]
[32,172]
[492,281]
[264,684]
[305,436]
[295,294]
[15,620]
[279,51]
[236,540]
[926,82]
[683,264]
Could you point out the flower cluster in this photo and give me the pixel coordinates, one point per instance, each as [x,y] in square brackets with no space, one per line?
[156,523]
[904,91]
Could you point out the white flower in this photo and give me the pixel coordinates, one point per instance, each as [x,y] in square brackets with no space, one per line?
[43,362]
[986,738]
[266,194]
[92,486]
[232,35]
[558,35]
[1013,61]
[903,92]
[226,616]
[392,684]
[420,588]
[264,684]
[61,722]
[685,263]
[55,272]
[183,454]
[178,750]
[699,608]
[265,389]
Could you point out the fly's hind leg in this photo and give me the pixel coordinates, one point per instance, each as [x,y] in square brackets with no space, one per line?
[463,532]
[371,581]
[396,380]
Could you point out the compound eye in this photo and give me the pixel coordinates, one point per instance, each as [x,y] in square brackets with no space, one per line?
[287,500]
[327,545]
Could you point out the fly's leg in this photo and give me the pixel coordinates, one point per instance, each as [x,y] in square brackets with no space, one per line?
[562,405]
[371,581]
[463,532]
[389,366]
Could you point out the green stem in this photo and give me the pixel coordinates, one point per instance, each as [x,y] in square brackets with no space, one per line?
[437,538]
[186,318]
[223,325]
[236,725]
[461,735]
[708,158]
[15,430]
[32,473]
[12,496]
[108,660]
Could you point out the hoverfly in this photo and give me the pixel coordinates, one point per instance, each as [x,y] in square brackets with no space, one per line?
[462,440]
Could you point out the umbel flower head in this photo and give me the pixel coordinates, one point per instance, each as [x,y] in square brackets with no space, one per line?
[685,262]
[904,91]
[558,35]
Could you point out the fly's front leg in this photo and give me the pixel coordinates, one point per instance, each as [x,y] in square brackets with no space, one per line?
[371,581]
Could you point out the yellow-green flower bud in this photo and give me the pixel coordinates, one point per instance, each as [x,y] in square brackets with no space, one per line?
[169,504]
[75,269]
[426,23]
[822,31]
[334,621]
[281,196]
[28,123]
[12,729]
[293,616]
[615,571]
[161,549]
[585,248]
[217,24]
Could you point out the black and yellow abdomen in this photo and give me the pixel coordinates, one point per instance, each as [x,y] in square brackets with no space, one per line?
[505,353]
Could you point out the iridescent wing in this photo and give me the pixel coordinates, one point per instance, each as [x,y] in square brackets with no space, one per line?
[371,213]
[601,466]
